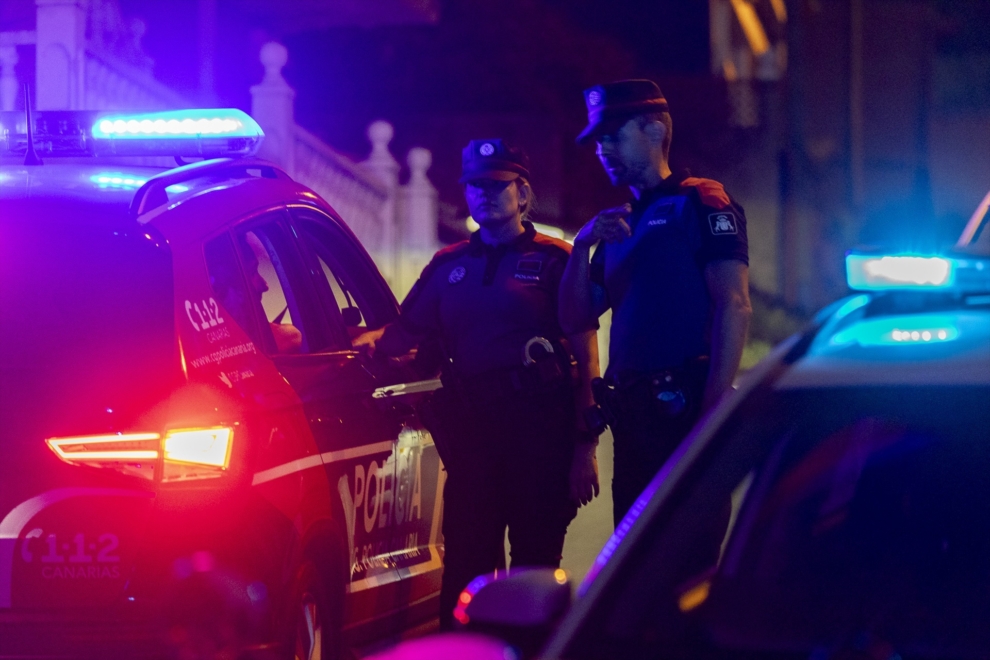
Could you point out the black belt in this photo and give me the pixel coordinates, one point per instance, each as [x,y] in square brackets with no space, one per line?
[542,376]
[668,392]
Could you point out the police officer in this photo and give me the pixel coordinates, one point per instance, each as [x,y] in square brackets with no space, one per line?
[672,264]
[507,419]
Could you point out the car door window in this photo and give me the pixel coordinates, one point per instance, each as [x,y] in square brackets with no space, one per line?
[356,295]
[269,281]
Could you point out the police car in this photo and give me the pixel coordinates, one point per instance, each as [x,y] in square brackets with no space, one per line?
[837,507]
[193,460]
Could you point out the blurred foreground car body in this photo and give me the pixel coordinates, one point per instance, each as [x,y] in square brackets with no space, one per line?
[837,507]
[175,476]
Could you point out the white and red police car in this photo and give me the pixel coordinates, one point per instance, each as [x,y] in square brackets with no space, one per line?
[193,460]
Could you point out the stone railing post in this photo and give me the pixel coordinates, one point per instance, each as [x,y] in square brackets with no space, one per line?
[385,169]
[8,77]
[272,106]
[61,54]
[418,220]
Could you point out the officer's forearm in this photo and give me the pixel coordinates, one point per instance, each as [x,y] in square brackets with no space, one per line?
[576,303]
[730,323]
[396,341]
[584,346]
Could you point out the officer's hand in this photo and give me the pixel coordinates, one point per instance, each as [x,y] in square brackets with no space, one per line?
[584,474]
[366,341]
[610,226]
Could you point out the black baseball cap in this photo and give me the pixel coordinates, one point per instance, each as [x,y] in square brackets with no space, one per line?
[493,159]
[613,104]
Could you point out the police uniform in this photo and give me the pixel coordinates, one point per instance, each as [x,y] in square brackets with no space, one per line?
[655,285]
[506,431]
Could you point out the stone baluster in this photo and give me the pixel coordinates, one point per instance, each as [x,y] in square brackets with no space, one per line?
[383,167]
[61,54]
[272,106]
[8,77]
[419,221]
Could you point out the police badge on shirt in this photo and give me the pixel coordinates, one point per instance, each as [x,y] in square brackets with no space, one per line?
[528,270]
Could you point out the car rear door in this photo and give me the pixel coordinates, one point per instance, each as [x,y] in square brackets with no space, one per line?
[355,298]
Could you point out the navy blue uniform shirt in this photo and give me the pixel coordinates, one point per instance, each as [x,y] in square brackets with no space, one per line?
[485,302]
[654,281]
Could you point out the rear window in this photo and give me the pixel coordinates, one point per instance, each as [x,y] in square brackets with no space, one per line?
[827,523]
[86,327]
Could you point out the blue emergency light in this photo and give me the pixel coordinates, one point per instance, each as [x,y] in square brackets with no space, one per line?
[913,272]
[177,125]
[126,181]
[900,331]
[207,133]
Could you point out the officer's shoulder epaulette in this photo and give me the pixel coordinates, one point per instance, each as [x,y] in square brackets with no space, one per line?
[443,256]
[451,251]
[551,244]
[710,192]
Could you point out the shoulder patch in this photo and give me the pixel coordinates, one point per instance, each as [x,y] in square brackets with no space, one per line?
[442,256]
[723,223]
[712,193]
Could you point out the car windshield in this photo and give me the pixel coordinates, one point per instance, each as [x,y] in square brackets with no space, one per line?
[87,340]
[838,523]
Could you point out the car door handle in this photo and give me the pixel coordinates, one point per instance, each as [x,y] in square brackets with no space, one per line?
[401,389]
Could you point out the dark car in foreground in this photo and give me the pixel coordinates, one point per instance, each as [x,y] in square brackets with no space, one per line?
[193,460]
[837,507]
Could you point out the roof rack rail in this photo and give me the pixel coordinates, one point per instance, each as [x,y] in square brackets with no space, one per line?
[153,193]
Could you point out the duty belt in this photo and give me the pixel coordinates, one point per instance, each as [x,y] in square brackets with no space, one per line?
[670,393]
[538,373]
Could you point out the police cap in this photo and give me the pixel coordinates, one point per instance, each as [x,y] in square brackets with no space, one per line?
[613,104]
[493,159]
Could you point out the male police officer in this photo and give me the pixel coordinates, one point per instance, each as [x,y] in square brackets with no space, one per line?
[673,266]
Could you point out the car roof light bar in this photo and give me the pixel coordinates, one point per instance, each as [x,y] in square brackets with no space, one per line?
[910,272]
[177,124]
[207,133]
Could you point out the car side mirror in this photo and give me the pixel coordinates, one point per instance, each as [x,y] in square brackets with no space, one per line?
[521,608]
[351,317]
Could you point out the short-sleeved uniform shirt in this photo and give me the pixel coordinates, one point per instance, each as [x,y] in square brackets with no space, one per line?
[654,280]
[485,302]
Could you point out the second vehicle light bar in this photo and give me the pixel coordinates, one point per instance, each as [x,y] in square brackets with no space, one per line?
[880,272]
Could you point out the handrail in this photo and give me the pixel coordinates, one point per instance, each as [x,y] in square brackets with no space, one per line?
[142,87]
[339,162]
[153,194]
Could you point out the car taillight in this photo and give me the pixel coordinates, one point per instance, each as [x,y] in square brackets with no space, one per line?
[198,453]
[130,453]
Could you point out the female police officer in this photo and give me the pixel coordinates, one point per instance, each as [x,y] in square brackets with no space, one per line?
[515,452]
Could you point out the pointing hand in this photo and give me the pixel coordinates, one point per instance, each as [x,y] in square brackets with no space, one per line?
[610,225]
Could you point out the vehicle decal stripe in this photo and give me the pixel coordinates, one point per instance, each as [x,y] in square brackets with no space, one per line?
[357,452]
[325,458]
[403,573]
[286,469]
[14,523]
